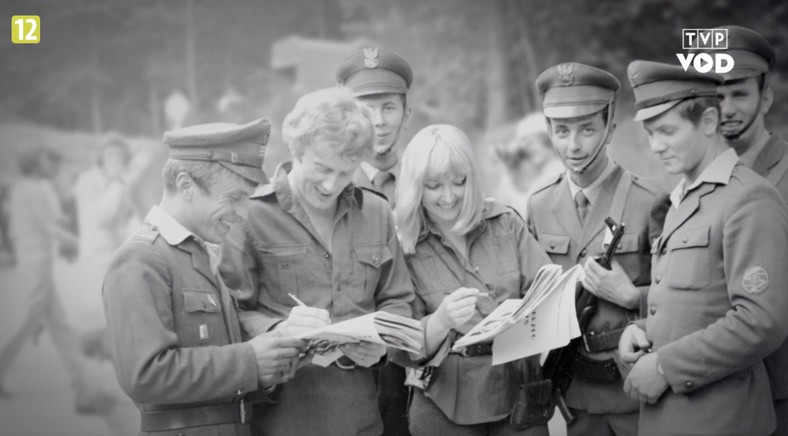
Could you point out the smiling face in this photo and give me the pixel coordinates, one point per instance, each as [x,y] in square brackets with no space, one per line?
[576,139]
[389,114]
[212,212]
[321,174]
[677,142]
[743,107]
[443,197]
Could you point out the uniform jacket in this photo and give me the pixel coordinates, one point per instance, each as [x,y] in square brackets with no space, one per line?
[173,328]
[503,259]
[277,252]
[772,164]
[717,304]
[554,221]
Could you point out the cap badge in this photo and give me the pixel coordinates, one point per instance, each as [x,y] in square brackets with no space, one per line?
[371,58]
[566,74]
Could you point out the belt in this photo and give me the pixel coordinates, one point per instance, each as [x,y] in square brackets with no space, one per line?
[163,420]
[598,342]
[474,350]
[596,371]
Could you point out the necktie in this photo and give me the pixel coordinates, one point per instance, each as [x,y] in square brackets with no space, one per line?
[384,182]
[581,203]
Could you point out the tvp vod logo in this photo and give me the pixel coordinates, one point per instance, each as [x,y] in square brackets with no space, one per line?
[701,43]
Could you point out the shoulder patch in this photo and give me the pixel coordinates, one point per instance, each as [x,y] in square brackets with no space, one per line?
[755,280]
[146,233]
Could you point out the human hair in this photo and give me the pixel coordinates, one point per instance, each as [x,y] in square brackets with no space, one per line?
[436,151]
[692,108]
[330,117]
[204,174]
[110,140]
[30,159]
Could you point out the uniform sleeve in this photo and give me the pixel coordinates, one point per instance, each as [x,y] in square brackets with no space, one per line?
[239,270]
[148,363]
[755,246]
[532,256]
[394,292]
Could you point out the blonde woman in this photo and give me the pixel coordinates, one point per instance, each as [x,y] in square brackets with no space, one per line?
[466,255]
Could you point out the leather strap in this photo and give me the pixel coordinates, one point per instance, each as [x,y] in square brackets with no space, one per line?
[598,342]
[163,420]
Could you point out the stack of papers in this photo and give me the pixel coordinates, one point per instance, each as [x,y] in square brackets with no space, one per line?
[379,327]
[543,320]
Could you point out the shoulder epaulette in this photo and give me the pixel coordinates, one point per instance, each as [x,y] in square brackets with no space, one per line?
[147,233]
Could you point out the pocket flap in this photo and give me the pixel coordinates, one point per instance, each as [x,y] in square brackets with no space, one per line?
[373,255]
[628,243]
[688,238]
[200,300]
[556,244]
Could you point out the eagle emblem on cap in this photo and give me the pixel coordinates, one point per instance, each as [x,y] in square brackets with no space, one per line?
[566,74]
[371,58]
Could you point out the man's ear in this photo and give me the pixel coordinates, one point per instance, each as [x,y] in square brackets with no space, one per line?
[406,118]
[767,98]
[184,185]
[611,131]
[710,121]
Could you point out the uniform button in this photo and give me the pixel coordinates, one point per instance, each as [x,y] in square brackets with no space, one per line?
[583,253]
[652,310]
[685,240]
[326,255]
[664,250]
[552,245]
[285,266]
[476,269]
[689,385]
[619,246]
[376,260]
[657,279]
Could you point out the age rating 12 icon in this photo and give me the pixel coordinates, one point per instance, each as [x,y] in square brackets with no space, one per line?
[25,29]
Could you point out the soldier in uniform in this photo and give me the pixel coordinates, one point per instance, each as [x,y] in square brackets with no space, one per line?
[380,79]
[173,326]
[746,99]
[313,234]
[567,218]
[717,303]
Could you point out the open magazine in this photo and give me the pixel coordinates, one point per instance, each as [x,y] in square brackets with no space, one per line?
[378,327]
[544,319]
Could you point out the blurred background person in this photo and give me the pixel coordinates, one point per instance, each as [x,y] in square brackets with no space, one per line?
[466,255]
[529,160]
[105,215]
[38,229]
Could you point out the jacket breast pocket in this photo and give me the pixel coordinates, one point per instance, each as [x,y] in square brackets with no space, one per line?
[506,253]
[554,244]
[688,259]
[280,268]
[202,322]
[371,259]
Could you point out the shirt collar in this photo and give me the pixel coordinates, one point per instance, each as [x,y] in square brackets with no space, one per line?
[591,191]
[372,171]
[718,172]
[169,228]
[492,209]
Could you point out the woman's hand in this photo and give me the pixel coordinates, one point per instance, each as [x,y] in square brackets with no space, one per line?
[456,308]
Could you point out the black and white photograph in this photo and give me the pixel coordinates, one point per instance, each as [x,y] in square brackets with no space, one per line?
[292,218]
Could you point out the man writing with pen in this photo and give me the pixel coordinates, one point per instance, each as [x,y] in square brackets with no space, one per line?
[313,234]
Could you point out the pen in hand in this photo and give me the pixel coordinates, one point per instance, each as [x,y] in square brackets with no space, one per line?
[299,302]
